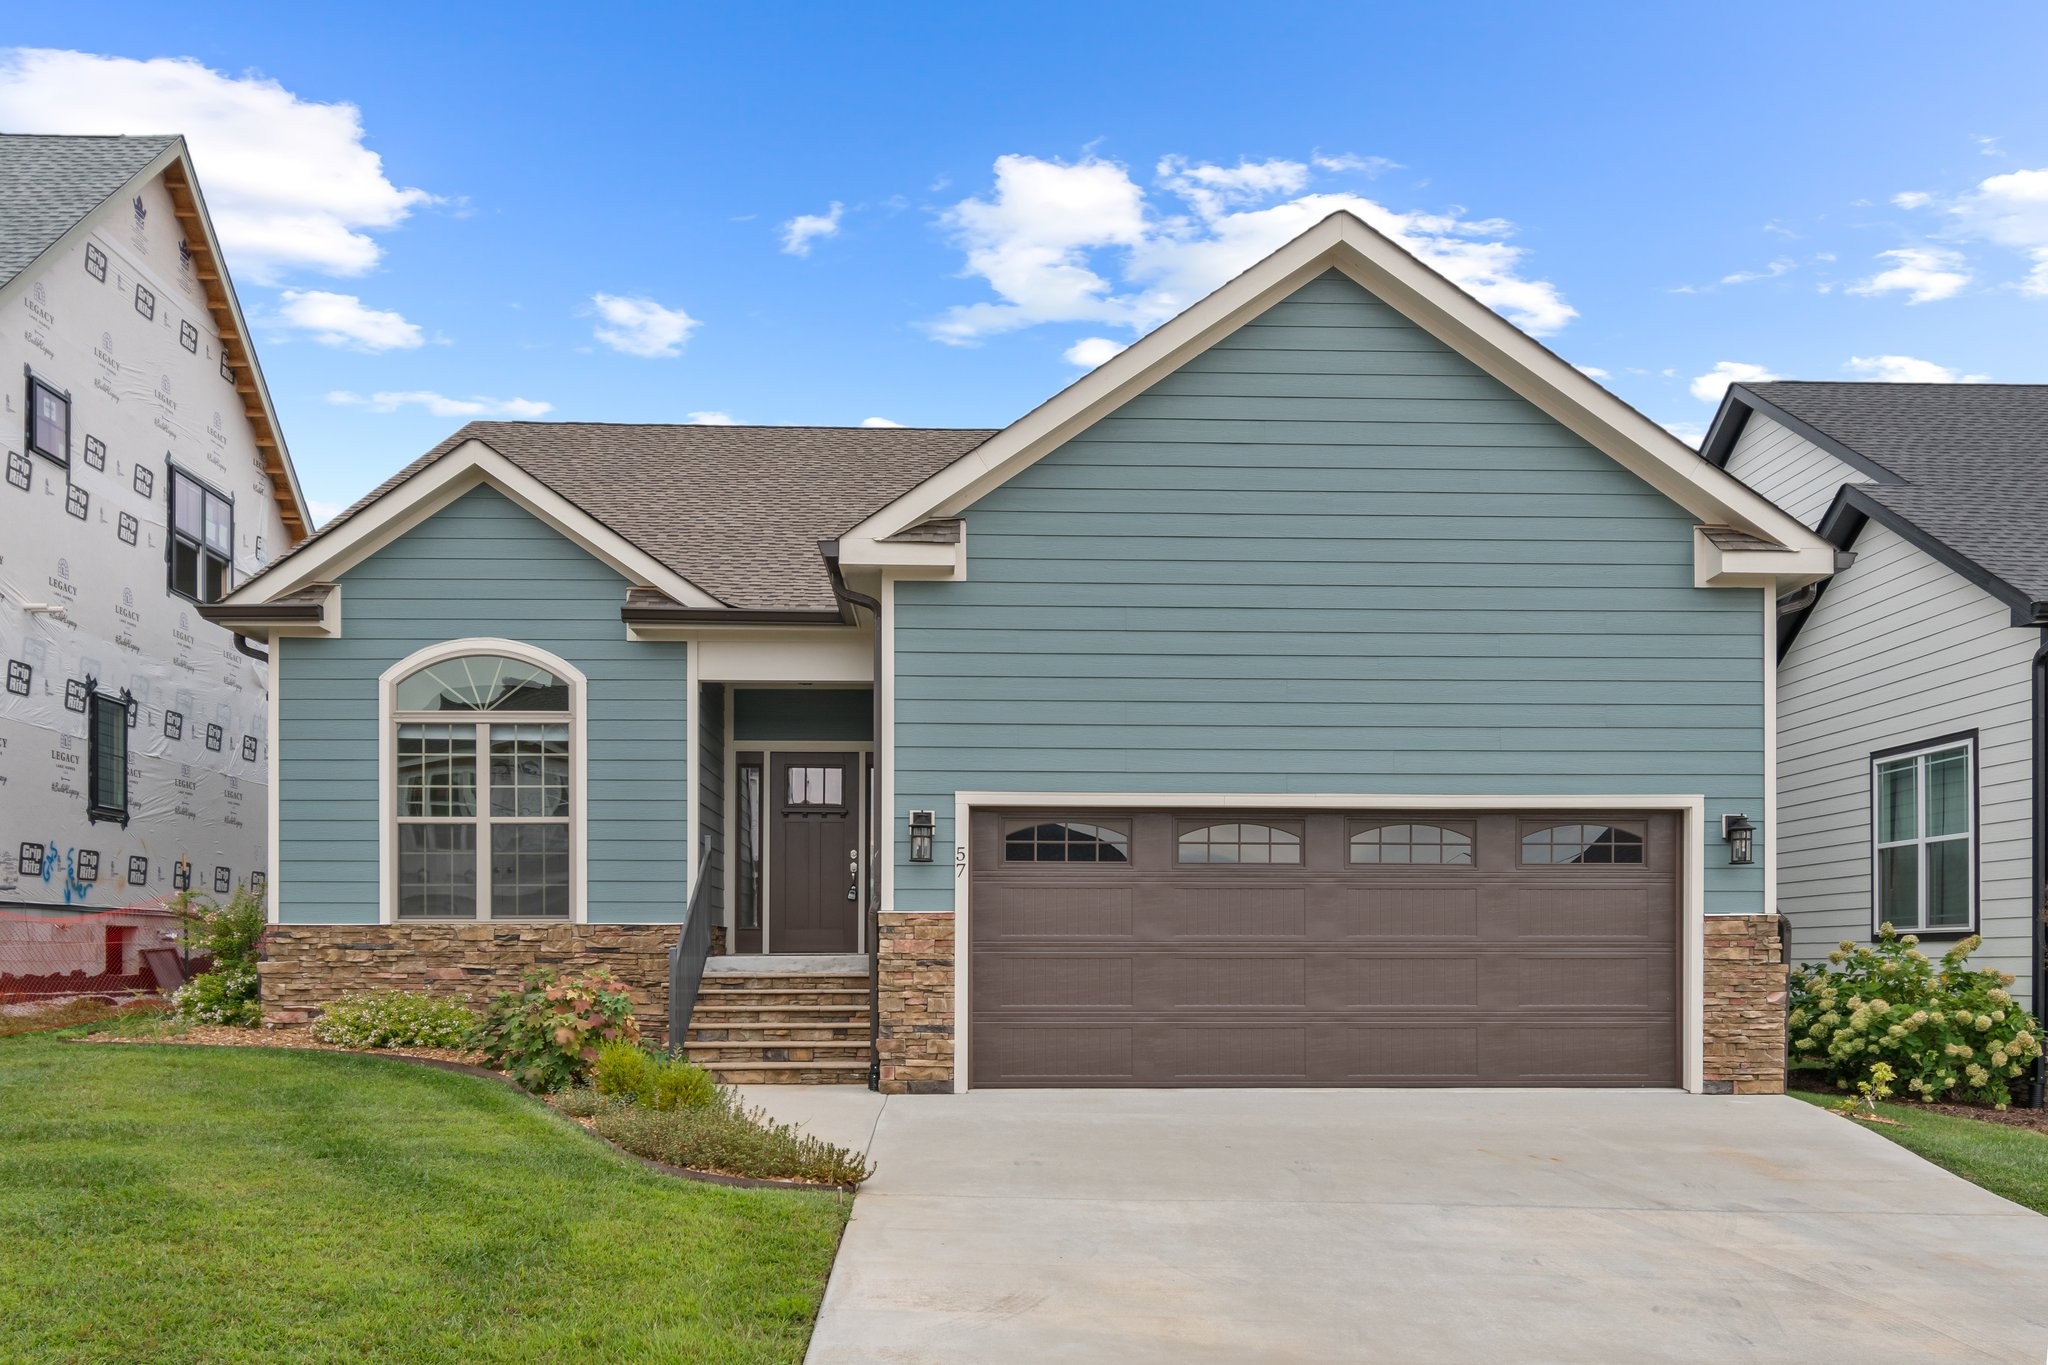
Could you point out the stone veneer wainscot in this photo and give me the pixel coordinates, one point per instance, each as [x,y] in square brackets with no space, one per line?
[915,977]
[1744,1047]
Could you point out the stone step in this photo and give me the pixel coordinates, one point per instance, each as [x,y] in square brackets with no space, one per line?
[840,1031]
[730,982]
[748,1047]
[802,1007]
[842,1000]
[787,1073]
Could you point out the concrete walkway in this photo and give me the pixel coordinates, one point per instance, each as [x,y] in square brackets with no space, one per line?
[1417,1226]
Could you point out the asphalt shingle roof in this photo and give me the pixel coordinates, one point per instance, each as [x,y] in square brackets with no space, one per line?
[736,510]
[48,183]
[1972,460]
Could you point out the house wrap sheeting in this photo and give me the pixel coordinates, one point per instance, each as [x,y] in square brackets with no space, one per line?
[120,323]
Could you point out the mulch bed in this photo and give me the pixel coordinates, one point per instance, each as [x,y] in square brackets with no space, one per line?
[298,1037]
[2015,1117]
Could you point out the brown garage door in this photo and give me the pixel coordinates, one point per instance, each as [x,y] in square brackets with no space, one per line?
[1323,948]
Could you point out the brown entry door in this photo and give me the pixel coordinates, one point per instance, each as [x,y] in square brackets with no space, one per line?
[1454,948]
[813,904]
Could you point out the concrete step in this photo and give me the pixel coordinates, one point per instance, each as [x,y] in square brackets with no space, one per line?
[782,981]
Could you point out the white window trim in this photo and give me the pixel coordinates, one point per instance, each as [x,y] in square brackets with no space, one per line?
[1968,744]
[1691,810]
[387,772]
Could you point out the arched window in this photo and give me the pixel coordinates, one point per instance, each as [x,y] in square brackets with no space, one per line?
[485,784]
[1412,843]
[1239,842]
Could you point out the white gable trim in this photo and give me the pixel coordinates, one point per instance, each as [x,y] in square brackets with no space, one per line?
[1395,276]
[470,465]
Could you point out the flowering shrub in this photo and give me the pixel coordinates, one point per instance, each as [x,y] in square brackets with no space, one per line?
[395,1019]
[547,1033]
[1948,1031]
[231,935]
[225,995]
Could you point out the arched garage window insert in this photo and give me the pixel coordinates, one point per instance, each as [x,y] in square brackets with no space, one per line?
[1412,843]
[1239,842]
[486,785]
[1581,844]
[1065,841]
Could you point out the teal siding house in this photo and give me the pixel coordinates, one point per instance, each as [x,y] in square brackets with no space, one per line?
[1334,688]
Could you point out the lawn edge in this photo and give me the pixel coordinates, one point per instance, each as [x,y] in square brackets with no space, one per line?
[743,1182]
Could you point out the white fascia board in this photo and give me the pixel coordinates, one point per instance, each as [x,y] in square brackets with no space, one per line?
[470,465]
[1395,276]
[1781,570]
[906,559]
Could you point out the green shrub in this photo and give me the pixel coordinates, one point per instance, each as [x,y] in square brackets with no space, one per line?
[225,995]
[1948,1031]
[626,1072]
[395,1019]
[726,1137]
[547,1033]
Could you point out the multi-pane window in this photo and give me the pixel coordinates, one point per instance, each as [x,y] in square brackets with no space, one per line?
[1242,842]
[1581,844]
[820,786]
[1066,841]
[106,755]
[202,539]
[49,421]
[1924,838]
[1413,843]
[483,806]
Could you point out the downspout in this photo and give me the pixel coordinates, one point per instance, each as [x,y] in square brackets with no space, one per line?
[242,643]
[877,819]
[2037,976]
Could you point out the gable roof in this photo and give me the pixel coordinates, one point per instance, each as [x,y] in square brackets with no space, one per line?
[737,511]
[1394,275]
[1963,466]
[56,188]
[49,183]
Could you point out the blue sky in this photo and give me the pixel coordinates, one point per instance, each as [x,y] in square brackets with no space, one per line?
[589,211]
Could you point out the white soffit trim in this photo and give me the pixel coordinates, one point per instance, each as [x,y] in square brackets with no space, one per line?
[1398,278]
[468,466]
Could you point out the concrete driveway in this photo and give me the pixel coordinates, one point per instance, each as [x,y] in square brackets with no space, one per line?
[1135,1226]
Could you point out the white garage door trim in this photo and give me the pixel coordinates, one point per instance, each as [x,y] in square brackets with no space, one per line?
[1692,884]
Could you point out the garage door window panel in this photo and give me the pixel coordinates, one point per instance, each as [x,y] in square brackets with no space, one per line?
[1580,845]
[1239,843]
[1436,845]
[1066,842]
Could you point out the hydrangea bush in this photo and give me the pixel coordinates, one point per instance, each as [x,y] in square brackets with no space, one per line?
[395,1019]
[1949,1031]
[225,995]
[232,935]
[547,1033]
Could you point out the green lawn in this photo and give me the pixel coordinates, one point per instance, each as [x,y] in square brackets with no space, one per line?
[2007,1161]
[222,1205]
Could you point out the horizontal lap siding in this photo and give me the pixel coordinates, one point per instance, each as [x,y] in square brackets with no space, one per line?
[1899,650]
[482,567]
[1788,469]
[1328,555]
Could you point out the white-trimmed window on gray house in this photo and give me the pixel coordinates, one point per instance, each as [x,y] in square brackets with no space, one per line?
[484,776]
[1924,836]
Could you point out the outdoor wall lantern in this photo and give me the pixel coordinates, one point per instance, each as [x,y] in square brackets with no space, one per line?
[1741,837]
[922,825]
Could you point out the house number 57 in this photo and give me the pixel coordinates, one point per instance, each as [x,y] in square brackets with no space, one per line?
[959,861]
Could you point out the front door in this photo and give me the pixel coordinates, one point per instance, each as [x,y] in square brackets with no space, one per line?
[814,901]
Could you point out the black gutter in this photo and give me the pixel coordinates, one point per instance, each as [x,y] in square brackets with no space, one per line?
[727,616]
[242,643]
[263,613]
[877,819]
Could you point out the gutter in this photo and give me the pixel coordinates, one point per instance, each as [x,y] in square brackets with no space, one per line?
[2037,969]
[727,616]
[848,600]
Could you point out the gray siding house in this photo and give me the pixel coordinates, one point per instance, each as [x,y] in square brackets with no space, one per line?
[1334,688]
[1909,684]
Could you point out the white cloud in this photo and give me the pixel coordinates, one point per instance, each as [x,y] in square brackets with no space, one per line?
[1083,242]
[1089,352]
[1709,387]
[1924,274]
[640,326]
[799,232]
[1345,161]
[1769,272]
[324,512]
[1591,371]
[1692,433]
[288,181]
[878,422]
[713,419]
[1905,369]
[342,320]
[1913,199]
[440,405]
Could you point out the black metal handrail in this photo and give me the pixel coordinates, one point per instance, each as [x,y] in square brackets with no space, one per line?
[686,960]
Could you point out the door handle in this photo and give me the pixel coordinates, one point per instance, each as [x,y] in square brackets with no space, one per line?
[853,874]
